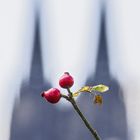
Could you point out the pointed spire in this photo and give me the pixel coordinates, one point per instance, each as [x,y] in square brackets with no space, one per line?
[36,73]
[102,66]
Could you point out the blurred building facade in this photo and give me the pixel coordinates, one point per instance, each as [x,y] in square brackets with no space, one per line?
[35,119]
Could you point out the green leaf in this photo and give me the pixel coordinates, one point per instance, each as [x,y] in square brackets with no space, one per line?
[100,88]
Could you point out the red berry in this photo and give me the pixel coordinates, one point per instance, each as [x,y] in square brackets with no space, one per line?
[52,95]
[66,80]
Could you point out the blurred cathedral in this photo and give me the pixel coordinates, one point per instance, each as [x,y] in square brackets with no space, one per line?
[34,119]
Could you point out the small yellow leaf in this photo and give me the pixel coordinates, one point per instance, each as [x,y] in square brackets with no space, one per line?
[85,89]
[100,88]
[75,94]
[98,99]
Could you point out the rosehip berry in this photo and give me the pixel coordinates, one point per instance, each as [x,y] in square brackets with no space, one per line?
[66,80]
[52,95]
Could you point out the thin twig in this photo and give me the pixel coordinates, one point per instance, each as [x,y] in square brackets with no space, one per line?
[93,131]
[66,97]
[70,93]
[71,99]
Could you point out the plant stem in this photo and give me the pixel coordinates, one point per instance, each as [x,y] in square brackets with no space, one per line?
[70,93]
[93,131]
[71,99]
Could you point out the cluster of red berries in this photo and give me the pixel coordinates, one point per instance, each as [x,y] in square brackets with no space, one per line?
[53,95]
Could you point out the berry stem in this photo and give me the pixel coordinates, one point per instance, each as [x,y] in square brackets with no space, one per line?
[66,97]
[75,106]
[70,93]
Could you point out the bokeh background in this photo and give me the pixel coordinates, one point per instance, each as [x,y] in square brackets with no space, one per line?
[34,119]
[97,41]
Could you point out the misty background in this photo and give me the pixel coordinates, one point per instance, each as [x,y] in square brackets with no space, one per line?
[96,41]
[35,119]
